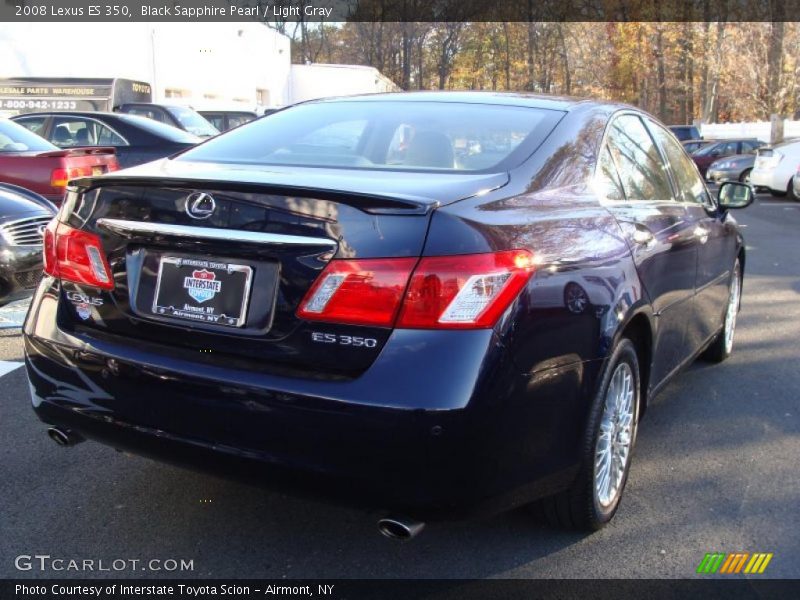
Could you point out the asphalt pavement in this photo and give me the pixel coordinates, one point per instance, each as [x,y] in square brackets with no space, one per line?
[715,470]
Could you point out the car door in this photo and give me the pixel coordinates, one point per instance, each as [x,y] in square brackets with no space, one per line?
[660,235]
[716,242]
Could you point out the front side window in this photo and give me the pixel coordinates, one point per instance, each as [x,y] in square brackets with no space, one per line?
[641,169]
[387,135]
[690,185]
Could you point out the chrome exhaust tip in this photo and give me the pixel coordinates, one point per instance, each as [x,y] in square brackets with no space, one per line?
[64,437]
[399,528]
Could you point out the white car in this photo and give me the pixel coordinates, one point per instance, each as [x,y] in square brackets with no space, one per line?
[775,167]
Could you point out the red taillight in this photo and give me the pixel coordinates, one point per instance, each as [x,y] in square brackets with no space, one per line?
[113,164]
[76,256]
[359,292]
[468,291]
[61,176]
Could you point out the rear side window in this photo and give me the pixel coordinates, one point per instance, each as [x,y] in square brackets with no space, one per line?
[387,135]
[641,169]
[608,178]
[149,113]
[77,131]
[690,186]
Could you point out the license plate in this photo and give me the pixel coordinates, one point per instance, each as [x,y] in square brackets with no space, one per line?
[203,291]
[98,171]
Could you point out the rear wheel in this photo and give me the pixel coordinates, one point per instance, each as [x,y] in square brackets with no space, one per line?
[723,345]
[608,441]
[790,191]
[745,176]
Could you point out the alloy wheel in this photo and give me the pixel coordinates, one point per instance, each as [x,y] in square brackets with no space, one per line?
[615,439]
[732,310]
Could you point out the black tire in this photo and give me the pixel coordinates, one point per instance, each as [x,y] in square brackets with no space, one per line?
[720,349]
[579,507]
[745,176]
[790,191]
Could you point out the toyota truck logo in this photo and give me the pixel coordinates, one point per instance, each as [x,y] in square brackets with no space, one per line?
[200,205]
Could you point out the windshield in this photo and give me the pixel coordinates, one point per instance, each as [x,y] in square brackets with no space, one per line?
[393,135]
[192,121]
[162,130]
[15,138]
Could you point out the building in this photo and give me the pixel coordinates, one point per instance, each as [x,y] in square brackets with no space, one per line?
[318,80]
[201,64]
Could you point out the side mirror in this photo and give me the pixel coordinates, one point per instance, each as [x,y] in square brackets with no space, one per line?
[733,194]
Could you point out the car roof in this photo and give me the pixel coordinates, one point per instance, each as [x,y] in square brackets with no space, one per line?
[564,103]
[81,113]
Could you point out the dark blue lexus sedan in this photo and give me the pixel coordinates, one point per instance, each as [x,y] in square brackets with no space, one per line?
[434,304]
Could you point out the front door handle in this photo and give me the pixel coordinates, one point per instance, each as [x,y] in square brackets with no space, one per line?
[701,233]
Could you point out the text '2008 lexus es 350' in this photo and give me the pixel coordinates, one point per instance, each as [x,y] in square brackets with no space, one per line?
[434,304]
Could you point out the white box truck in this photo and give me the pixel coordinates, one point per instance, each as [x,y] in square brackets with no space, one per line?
[317,80]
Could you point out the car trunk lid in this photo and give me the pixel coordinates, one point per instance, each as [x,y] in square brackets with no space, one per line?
[249,251]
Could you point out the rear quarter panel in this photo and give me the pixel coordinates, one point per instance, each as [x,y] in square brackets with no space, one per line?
[550,209]
[29,171]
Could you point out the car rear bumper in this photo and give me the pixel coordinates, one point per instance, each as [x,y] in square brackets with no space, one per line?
[484,440]
[766,178]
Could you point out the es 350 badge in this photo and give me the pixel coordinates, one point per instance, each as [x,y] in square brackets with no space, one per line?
[83,304]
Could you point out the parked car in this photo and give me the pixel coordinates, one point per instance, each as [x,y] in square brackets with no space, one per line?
[29,161]
[370,313]
[724,148]
[23,217]
[181,117]
[686,132]
[694,145]
[223,120]
[775,169]
[731,168]
[136,140]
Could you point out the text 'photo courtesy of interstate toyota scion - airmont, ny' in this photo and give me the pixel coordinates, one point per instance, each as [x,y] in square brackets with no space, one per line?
[391,314]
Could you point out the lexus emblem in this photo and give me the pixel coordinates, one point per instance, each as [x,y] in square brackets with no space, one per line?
[200,205]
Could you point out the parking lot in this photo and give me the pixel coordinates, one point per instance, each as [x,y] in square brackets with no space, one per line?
[715,469]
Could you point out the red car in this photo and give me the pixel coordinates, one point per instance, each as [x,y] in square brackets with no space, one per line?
[34,163]
[713,152]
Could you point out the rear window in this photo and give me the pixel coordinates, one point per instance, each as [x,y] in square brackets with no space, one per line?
[192,122]
[15,138]
[390,135]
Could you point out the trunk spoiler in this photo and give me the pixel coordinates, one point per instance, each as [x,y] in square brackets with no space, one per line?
[395,201]
[88,151]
